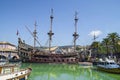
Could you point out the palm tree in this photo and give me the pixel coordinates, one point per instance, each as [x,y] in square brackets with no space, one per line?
[114,38]
[105,43]
[95,46]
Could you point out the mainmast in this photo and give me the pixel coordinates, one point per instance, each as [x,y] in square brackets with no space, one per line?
[75,35]
[34,34]
[94,37]
[50,33]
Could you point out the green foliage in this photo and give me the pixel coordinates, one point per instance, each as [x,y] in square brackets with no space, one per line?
[108,44]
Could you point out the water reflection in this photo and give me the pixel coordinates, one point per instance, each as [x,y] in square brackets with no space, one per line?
[67,72]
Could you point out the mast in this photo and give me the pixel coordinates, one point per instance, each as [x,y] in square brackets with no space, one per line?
[50,33]
[75,35]
[34,34]
[94,37]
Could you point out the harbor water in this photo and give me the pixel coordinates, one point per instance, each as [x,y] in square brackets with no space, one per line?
[67,72]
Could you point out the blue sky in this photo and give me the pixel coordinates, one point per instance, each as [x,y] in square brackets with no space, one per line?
[94,15]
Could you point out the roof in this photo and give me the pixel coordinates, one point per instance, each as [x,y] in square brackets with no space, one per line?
[7,49]
[5,42]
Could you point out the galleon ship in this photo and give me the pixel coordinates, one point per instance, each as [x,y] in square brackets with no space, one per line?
[35,54]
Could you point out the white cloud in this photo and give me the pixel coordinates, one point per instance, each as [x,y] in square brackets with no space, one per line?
[95,33]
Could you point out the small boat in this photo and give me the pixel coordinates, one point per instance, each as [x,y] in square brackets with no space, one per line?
[109,66]
[15,60]
[85,64]
[3,60]
[13,72]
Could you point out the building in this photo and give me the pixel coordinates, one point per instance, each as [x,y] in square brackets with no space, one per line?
[8,50]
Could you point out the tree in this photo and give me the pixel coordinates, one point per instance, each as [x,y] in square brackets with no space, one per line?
[110,44]
[113,39]
[105,44]
[95,46]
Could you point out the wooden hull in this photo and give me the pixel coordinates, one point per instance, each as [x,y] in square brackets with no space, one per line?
[110,70]
[54,60]
[20,75]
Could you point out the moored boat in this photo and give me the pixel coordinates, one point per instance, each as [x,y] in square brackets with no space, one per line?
[13,72]
[3,60]
[109,66]
[85,64]
[15,60]
[35,54]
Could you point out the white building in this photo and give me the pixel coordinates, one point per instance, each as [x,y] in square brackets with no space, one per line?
[7,49]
